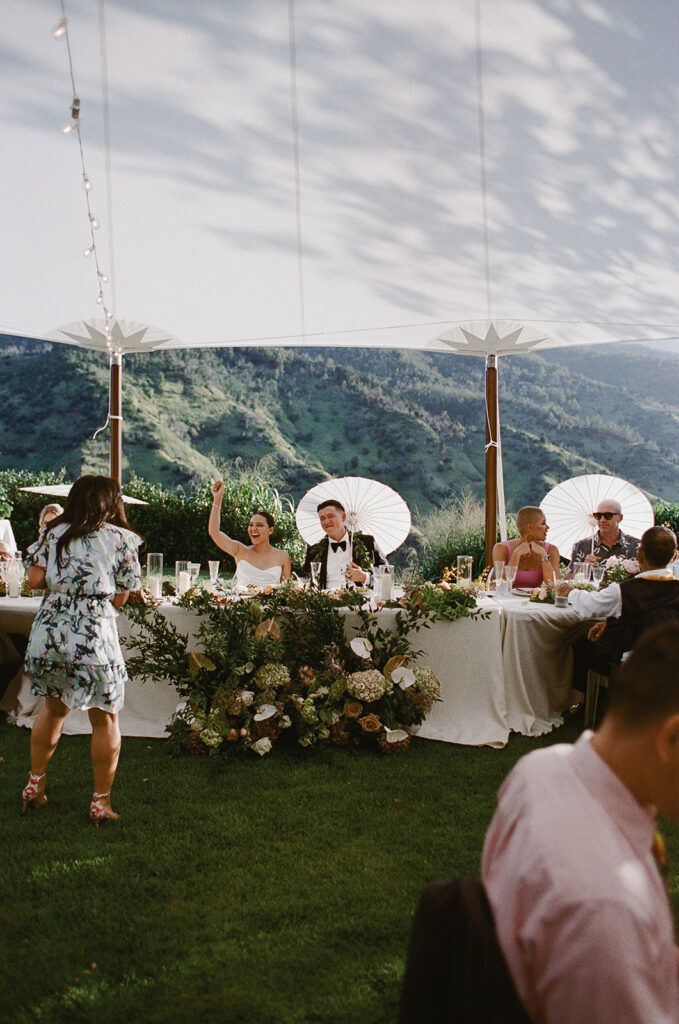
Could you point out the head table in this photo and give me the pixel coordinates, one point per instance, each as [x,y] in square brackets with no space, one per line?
[509,671]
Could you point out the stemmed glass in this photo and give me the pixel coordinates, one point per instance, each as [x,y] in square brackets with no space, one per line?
[213,569]
[194,569]
[510,574]
[598,575]
[316,575]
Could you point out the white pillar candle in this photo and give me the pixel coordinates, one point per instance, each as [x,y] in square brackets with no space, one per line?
[184,582]
[155,586]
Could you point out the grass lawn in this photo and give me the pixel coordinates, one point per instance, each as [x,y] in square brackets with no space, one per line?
[272,890]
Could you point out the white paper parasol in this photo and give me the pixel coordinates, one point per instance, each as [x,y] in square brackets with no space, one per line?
[568,508]
[371,507]
[62,490]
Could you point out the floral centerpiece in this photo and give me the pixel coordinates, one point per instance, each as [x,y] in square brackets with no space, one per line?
[544,594]
[619,569]
[279,667]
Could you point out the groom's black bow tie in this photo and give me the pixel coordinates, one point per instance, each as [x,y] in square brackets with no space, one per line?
[335,544]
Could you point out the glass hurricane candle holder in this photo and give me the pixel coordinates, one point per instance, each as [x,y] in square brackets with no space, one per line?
[154,574]
[182,577]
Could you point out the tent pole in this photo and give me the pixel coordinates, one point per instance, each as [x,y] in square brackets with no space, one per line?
[116,407]
[491,456]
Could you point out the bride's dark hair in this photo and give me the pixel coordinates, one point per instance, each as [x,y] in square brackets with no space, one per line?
[265,515]
[91,502]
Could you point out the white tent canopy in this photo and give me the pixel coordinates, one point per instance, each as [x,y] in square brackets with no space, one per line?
[343,172]
[484,176]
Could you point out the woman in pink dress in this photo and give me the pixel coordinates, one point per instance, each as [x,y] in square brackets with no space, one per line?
[536,561]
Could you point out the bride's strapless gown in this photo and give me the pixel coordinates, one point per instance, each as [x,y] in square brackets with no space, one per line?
[248,575]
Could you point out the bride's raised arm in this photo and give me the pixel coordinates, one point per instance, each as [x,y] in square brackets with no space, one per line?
[222,540]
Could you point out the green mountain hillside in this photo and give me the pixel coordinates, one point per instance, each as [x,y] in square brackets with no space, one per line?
[414,421]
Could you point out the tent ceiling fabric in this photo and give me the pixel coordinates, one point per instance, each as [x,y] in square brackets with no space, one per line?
[331,191]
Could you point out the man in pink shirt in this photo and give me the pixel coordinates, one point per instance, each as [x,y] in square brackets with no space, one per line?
[579,903]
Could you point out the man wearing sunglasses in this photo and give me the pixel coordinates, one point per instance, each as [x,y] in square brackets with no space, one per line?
[608,540]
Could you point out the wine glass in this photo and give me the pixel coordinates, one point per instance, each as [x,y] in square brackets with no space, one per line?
[510,574]
[213,569]
[194,569]
[315,575]
[598,575]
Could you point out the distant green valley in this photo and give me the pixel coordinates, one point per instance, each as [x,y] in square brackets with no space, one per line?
[414,421]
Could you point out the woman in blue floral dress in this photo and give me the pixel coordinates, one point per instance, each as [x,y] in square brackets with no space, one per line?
[88,561]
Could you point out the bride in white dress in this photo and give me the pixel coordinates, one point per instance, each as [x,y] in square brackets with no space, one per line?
[257,564]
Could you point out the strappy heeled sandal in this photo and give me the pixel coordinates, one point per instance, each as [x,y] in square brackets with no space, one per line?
[98,812]
[31,795]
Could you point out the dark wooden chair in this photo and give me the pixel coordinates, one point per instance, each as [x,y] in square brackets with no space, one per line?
[455,971]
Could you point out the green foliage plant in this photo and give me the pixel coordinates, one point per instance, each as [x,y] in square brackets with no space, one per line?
[23,508]
[667,514]
[456,529]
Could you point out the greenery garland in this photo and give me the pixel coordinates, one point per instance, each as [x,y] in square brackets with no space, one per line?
[278,665]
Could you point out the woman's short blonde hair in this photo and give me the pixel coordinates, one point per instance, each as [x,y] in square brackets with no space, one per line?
[53,509]
[527,514]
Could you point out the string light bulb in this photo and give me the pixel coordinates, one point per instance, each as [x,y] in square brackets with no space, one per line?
[94,222]
[87,184]
[60,30]
[68,128]
[88,251]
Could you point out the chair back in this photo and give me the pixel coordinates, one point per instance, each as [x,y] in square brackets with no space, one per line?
[455,971]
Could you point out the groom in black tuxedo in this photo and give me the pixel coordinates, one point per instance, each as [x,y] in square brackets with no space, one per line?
[334,551]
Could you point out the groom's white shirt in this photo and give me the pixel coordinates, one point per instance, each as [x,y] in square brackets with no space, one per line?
[336,564]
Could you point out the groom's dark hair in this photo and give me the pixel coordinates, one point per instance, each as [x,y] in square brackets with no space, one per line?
[331,501]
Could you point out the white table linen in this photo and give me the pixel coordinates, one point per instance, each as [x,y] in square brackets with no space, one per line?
[509,671]
[7,534]
[537,662]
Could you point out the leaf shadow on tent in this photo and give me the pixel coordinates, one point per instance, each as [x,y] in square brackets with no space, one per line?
[580,145]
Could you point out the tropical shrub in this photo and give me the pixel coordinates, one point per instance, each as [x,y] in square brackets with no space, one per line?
[23,509]
[174,521]
[458,529]
[667,514]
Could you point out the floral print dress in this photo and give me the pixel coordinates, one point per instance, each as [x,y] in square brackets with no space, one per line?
[73,652]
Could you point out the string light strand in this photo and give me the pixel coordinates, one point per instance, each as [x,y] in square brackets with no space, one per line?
[74,128]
